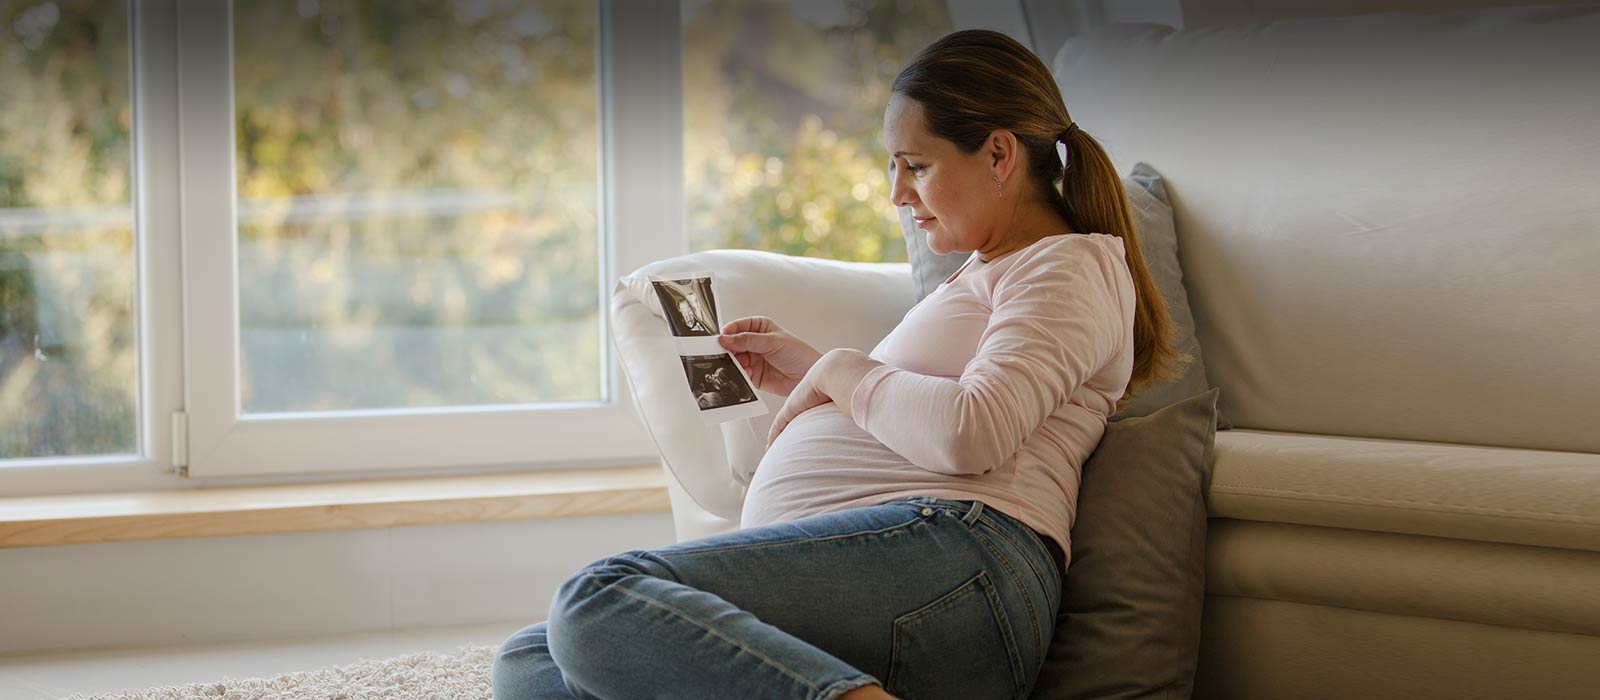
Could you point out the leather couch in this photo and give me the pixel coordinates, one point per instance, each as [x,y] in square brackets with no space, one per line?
[1389,226]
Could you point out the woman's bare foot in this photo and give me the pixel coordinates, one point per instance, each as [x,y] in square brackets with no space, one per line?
[868,692]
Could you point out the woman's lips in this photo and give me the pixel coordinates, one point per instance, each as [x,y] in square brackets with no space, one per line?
[922,221]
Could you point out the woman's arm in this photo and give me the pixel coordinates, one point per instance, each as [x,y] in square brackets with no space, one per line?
[841,371]
[1058,317]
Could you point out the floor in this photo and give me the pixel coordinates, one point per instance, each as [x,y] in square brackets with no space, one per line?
[57,675]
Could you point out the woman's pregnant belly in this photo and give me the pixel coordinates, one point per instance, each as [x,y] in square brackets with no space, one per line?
[821,460]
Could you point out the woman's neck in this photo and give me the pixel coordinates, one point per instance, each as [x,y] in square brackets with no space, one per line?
[1027,226]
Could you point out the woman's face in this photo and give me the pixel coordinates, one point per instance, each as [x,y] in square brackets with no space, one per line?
[951,194]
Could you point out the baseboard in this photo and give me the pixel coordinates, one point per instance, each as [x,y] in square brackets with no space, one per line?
[88,596]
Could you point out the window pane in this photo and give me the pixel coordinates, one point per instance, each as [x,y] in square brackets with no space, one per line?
[418,203]
[68,341]
[783,113]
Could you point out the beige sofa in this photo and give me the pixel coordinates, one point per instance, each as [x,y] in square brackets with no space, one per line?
[1389,227]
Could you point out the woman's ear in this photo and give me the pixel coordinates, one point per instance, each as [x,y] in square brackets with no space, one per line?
[1001,148]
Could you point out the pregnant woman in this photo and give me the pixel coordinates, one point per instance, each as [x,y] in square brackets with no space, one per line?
[905,532]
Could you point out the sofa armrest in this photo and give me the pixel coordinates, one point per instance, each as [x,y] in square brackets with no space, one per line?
[828,303]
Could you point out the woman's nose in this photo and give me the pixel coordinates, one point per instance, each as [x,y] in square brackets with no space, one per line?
[900,194]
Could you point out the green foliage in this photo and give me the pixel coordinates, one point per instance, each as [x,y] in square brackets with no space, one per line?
[68,354]
[425,180]
[784,120]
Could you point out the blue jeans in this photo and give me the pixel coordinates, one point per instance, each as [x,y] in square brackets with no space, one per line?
[928,597]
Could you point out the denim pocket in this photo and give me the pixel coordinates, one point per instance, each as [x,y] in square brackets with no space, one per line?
[958,646]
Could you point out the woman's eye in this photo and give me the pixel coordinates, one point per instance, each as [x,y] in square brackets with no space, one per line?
[916,168]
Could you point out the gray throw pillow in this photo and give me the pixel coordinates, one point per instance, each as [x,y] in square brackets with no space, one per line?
[1134,591]
[1158,240]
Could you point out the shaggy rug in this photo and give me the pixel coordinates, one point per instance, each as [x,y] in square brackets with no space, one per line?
[463,675]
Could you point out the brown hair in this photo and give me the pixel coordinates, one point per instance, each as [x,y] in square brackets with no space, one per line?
[973,82]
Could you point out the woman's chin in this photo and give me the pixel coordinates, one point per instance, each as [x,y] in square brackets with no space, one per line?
[938,247]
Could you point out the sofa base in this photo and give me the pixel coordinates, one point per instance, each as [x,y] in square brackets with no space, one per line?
[1255,649]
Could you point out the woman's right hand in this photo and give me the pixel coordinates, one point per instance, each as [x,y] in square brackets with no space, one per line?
[774,358]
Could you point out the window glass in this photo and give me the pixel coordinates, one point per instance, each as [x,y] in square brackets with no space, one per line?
[68,300]
[418,203]
[783,119]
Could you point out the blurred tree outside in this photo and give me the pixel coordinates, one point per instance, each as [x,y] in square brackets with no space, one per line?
[783,114]
[418,189]
[68,339]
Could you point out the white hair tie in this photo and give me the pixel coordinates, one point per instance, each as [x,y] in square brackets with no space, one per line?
[1061,144]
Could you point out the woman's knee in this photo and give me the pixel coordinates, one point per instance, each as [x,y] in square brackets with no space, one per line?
[518,660]
[574,612]
[572,593]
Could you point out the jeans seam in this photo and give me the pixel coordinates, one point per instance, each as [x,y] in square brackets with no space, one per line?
[733,642]
[1019,672]
[1044,588]
[1027,600]
[1044,583]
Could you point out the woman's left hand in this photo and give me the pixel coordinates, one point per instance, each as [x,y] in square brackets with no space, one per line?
[832,379]
[805,396]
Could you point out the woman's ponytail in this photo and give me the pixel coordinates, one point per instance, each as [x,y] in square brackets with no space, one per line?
[1092,199]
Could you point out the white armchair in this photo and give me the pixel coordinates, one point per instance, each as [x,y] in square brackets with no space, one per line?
[828,303]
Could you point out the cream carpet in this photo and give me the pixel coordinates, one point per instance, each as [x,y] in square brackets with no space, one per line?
[462,675]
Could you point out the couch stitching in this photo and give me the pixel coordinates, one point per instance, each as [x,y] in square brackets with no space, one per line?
[1445,507]
[1336,606]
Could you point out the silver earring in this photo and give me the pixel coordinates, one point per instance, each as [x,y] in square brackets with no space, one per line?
[997,189]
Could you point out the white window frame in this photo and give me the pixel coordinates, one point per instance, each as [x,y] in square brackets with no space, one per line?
[184,194]
[158,303]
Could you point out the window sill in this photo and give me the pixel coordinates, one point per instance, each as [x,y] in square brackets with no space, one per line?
[259,510]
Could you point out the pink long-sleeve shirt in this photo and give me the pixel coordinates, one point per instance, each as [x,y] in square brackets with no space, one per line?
[995,387]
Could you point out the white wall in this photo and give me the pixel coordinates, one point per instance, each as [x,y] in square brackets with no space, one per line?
[1052,22]
[260,586]
[1202,13]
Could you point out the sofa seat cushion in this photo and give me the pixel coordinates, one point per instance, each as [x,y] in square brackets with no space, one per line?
[1489,494]
[1270,650]
[1485,583]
